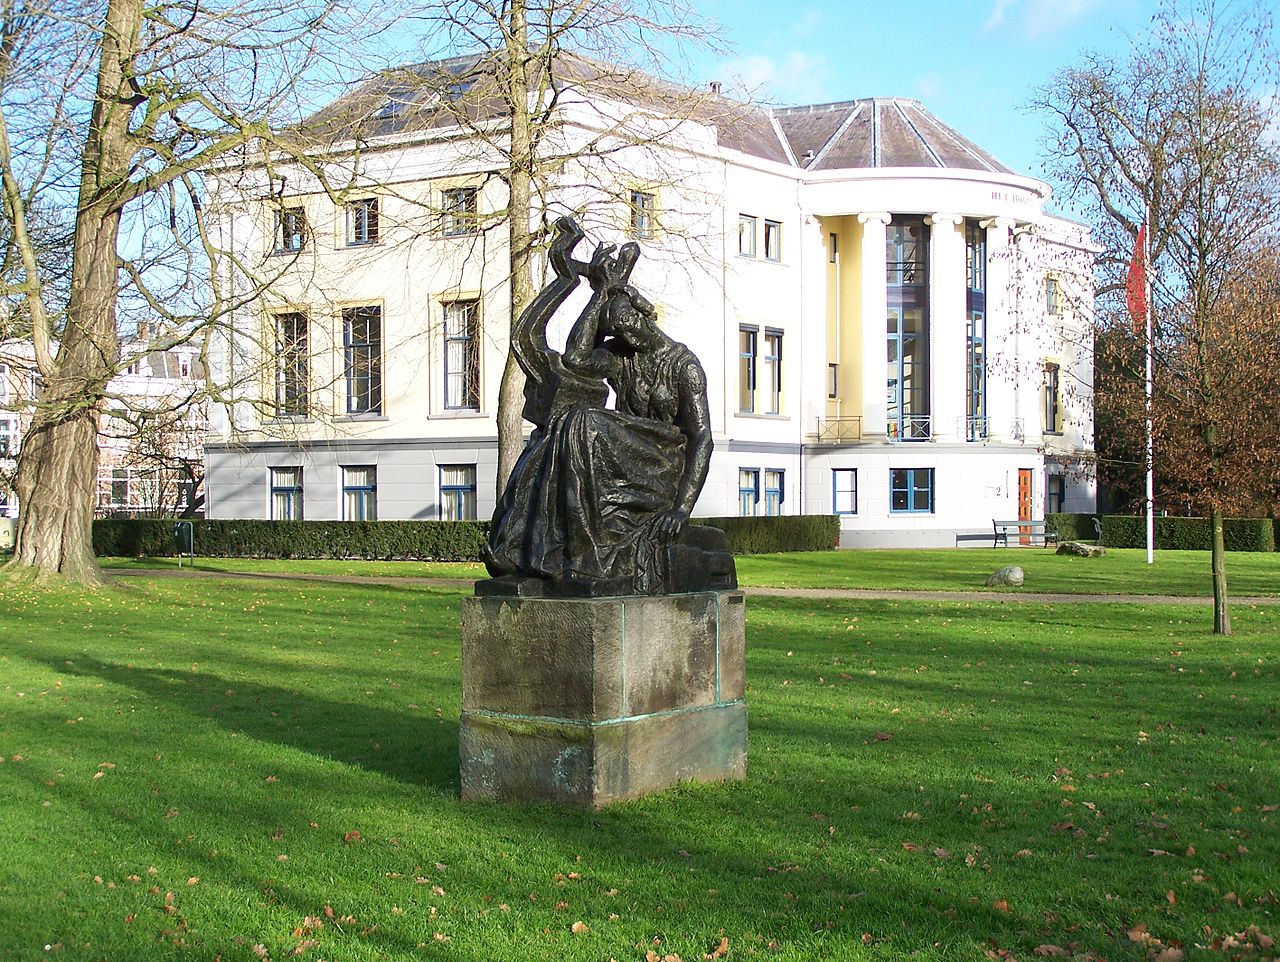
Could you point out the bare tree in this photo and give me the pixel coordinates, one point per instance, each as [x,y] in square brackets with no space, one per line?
[534,61]
[1181,130]
[108,109]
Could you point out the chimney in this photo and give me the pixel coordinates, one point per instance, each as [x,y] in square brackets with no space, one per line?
[715,87]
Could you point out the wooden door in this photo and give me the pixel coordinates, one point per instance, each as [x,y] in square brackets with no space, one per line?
[1024,503]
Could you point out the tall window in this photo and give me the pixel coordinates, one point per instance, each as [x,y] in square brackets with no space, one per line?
[362,349]
[360,494]
[459,205]
[1052,399]
[119,487]
[362,221]
[4,383]
[844,490]
[7,446]
[643,214]
[833,380]
[911,490]
[291,230]
[772,371]
[746,235]
[775,489]
[457,492]
[833,249]
[772,240]
[748,491]
[907,329]
[1055,493]
[461,356]
[747,347]
[975,248]
[292,363]
[286,494]
[1052,296]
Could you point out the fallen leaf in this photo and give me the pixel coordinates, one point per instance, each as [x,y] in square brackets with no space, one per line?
[1000,905]
[578,928]
[1171,897]
[883,736]
[1169,955]
[441,937]
[941,853]
[720,951]
[437,891]
[1048,949]
[260,950]
[194,880]
[1139,933]
[912,847]
[352,836]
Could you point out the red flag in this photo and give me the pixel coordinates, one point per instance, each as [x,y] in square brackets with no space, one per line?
[1135,284]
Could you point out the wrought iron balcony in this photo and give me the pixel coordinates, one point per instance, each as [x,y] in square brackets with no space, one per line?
[846,430]
[909,428]
[975,428]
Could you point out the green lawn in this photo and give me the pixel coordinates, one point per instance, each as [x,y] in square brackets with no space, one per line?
[186,766]
[1120,571]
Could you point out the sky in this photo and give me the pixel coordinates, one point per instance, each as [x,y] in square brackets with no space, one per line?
[972,63]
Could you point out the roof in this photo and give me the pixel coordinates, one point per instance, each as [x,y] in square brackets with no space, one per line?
[867,133]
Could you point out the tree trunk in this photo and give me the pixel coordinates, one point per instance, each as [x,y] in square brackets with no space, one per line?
[1221,611]
[58,465]
[56,484]
[520,239]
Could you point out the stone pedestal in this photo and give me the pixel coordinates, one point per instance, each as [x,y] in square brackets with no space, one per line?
[587,701]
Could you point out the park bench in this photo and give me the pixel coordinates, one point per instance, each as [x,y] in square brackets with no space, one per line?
[1035,532]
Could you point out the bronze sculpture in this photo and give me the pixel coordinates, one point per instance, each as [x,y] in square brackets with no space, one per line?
[599,502]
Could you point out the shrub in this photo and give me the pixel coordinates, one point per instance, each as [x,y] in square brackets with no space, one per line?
[226,538]
[1072,527]
[796,532]
[1194,534]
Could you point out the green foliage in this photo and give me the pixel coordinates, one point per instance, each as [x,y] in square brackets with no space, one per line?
[797,532]
[1072,527]
[409,540]
[1189,534]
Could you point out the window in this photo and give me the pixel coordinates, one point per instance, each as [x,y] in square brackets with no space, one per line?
[1055,493]
[1052,296]
[390,108]
[286,494]
[775,489]
[833,380]
[772,240]
[461,356]
[362,350]
[844,490]
[911,490]
[291,230]
[4,383]
[643,214]
[747,337]
[746,235]
[457,492]
[975,239]
[119,487]
[292,364]
[748,491]
[360,494]
[7,445]
[362,221]
[833,250]
[184,366]
[1052,399]
[460,211]
[773,371]
[907,329]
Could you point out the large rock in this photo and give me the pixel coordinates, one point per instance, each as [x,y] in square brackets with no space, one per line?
[1081,550]
[585,701]
[1008,577]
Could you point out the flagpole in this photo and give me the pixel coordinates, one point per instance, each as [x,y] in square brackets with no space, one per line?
[1146,281]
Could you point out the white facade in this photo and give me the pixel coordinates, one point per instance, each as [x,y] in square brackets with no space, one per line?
[773,263]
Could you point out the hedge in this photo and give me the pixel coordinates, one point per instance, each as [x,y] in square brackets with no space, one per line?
[794,532]
[405,540]
[1238,534]
[1072,527]
[225,538]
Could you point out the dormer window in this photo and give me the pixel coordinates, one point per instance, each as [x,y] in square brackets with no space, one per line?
[390,108]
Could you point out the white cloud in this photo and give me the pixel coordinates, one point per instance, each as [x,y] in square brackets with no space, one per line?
[930,86]
[798,78]
[1036,19]
[807,23]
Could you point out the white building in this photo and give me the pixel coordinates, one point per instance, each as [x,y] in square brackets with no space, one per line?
[892,326]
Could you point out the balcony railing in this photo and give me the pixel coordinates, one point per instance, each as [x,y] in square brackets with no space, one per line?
[974,428]
[915,428]
[847,430]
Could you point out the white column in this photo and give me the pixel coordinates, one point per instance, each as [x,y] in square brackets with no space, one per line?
[947,344]
[1002,356]
[874,374]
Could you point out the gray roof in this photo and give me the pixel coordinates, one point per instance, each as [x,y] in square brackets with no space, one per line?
[868,133]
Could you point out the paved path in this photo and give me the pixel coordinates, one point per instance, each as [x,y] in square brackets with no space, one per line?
[853,594]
